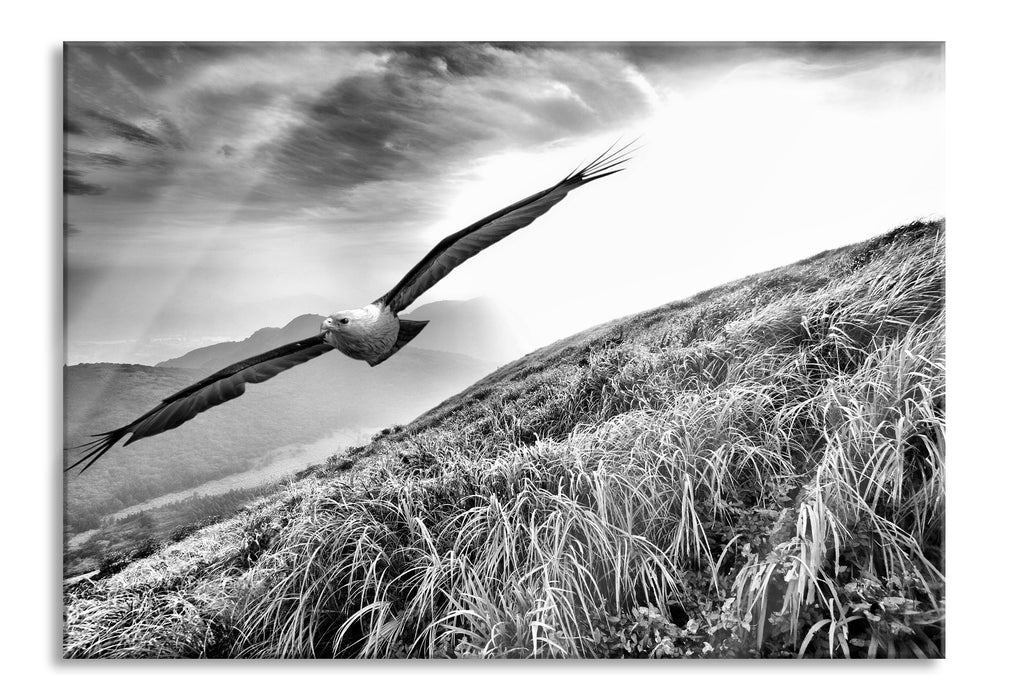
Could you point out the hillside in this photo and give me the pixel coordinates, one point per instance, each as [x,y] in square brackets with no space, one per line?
[756,471]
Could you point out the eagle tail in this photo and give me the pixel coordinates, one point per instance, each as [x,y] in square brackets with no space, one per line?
[408,330]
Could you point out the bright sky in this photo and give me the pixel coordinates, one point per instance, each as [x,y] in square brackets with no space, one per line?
[213,190]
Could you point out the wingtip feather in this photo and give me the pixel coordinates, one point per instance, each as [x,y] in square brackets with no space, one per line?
[605,164]
[95,449]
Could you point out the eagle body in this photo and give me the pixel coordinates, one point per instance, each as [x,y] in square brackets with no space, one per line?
[368,333]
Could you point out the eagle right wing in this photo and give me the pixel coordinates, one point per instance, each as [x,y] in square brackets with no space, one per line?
[463,245]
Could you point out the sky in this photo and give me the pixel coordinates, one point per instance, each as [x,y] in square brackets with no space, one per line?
[213,189]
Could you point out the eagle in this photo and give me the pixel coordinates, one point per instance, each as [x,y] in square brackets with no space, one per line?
[372,333]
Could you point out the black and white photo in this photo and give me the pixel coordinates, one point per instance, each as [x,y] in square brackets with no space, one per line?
[641,350]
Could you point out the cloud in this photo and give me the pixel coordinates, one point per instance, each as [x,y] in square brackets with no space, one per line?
[307,133]
[303,131]
[74,185]
[110,160]
[124,130]
[71,127]
[171,133]
[426,108]
[699,64]
[80,166]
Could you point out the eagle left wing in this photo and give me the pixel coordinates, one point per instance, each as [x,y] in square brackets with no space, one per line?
[221,386]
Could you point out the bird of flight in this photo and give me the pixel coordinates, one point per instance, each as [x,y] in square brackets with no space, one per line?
[372,333]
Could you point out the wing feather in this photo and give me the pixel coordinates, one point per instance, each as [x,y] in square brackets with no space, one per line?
[463,245]
[225,385]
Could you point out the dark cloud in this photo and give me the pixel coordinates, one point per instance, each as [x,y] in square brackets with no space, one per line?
[223,102]
[71,127]
[438,58]
[144,66]
[110,160]
[838,57]
[125,130]
[172,134]
[429,105]
[74,185]
[839,50]
[257,125]
[832,60]
[326,130]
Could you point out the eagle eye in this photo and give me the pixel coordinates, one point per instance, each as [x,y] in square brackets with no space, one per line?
[345,321]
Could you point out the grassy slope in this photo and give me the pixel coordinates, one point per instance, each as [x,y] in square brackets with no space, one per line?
[757,470]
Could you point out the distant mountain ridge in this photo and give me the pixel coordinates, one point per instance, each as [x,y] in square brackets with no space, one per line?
[220,355]
[477,328]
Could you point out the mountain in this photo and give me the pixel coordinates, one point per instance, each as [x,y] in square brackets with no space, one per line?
[477,328]
[756,471]
[213,357]
[330,394]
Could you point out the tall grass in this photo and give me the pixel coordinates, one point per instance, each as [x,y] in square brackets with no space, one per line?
[757,472]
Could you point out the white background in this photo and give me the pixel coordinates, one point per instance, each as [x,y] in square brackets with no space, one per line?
[32,312]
